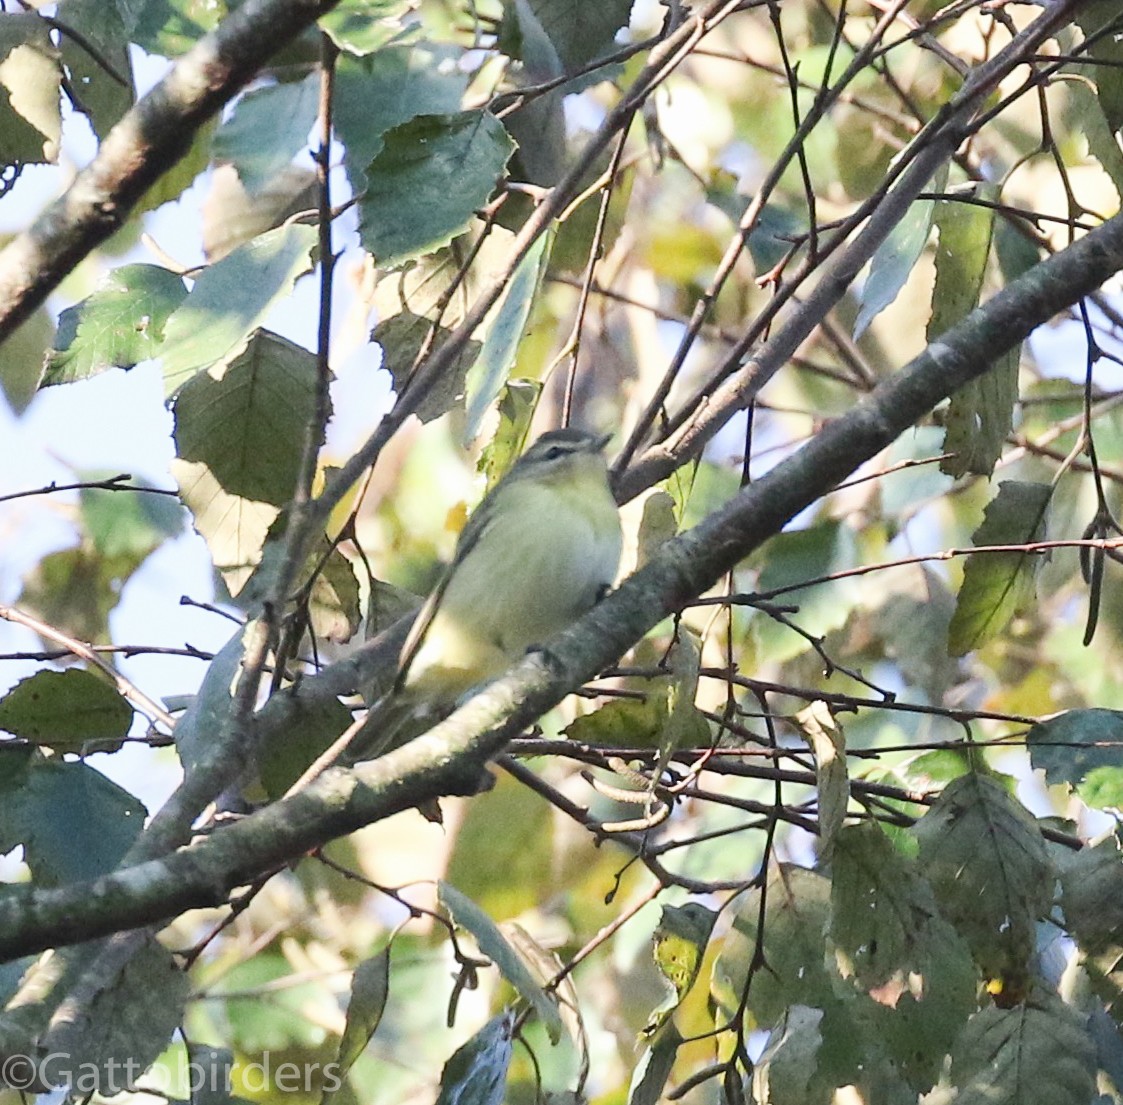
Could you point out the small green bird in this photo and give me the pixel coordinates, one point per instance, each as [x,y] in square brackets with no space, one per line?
[538,552]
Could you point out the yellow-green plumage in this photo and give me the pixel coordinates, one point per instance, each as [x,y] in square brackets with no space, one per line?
[536,554]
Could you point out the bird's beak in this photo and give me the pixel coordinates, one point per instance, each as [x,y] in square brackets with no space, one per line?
[602,441]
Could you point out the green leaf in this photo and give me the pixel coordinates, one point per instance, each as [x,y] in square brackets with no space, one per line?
[73,822]
[333,605]
[286,1020]
[104,99]
[118,326]
[127,1023]
[403,337]
[268,128]
[370,987]
[21,359]
[790,560]
[797,912]
[1086,113]
[310,729]
[981,414]
[896,257]
[239,433]
[1036,1052]
[1016,253]
[171,184]
[229,300]
[657,526]
[30,80]
[787,1071]
[170,27]
[232,216]
[654,1068]
[392,86]
[1082,749]
[193,731]
[239,436]
[75,589]
[679,941]
[517,404]
[16,764]
[65,709]
[246,420]
[1092,896]
[890,944]
[828,742]
[1106,54]
[492,943]
[988,865]
[430,178]
[128,524]
[213,1067]
[362,26]
[880,907]
[978,418]
[486,378]
[476,1074]
[997,585]
[579,32]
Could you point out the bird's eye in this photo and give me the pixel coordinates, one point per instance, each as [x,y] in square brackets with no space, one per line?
[554,452]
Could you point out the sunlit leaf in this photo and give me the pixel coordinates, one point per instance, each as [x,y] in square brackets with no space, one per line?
[229,300]
[498,949]
[896,257]
[119,325]
[981,414]
[517,404]
[239,434]
[30,79]
[65,709]
[488,374]
[362,26]
[170,27]
[828,742]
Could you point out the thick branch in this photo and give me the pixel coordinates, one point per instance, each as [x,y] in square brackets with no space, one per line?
[147,142]
[449,757]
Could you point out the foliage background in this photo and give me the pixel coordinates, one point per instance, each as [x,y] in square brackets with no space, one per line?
[842,825]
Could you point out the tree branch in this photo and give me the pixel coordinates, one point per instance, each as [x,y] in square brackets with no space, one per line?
[449,757]
[147,142]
